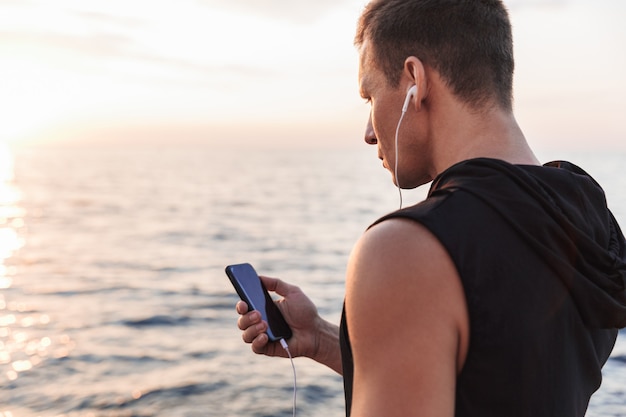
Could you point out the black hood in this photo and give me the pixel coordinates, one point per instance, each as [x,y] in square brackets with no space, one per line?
[579,225]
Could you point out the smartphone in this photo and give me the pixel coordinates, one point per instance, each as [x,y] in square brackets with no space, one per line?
[250,289]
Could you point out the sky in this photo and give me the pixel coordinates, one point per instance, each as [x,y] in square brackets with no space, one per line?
[272,72]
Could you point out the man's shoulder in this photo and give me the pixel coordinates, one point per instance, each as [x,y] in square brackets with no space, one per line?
[396,244]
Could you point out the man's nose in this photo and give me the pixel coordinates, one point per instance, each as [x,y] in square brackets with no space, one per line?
[370,136]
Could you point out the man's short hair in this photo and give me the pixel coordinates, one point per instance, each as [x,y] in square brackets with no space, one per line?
[469,42]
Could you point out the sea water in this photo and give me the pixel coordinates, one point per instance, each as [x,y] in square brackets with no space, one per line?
[113,297]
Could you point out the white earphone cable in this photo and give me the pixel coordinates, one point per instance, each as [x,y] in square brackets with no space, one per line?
[295,385]
[396,161]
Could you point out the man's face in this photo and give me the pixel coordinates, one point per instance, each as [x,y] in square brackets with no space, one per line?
[386,109]
[386,105]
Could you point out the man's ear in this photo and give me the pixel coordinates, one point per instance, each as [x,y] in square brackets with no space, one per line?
[414,74]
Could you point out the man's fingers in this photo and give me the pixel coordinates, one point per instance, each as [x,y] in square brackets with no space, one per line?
[278,286]
[259,344]
[253,332]
[248,320]
[241,307]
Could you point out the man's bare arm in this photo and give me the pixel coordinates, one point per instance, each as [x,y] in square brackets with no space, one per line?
[408,323]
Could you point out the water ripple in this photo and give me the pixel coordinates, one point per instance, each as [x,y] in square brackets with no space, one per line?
[158,320]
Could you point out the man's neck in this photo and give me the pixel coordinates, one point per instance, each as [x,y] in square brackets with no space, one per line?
[490,134]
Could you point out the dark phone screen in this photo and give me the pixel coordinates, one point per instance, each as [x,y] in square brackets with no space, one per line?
[251,290]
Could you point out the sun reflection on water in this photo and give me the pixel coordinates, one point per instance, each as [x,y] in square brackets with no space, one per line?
[21,346]
[11,215]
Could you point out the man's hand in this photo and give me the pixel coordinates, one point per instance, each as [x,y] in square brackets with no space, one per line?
[312,337]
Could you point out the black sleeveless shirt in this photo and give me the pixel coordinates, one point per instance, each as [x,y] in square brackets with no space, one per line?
[541,260]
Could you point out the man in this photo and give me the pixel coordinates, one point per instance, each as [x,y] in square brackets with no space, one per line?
[500,294]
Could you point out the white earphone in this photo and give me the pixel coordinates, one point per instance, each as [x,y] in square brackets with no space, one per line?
[409,95]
